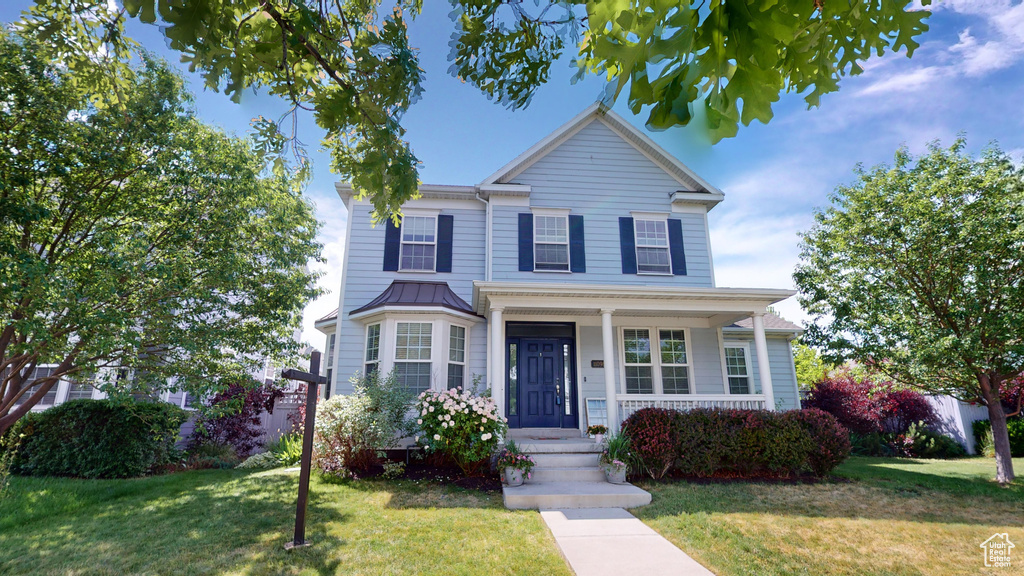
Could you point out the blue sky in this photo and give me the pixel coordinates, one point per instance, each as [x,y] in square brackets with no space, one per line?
[968,75]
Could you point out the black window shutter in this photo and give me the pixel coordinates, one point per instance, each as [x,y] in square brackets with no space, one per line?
[627,243]
[675,244]
[392,245]
[445,226]
[526,242]
[577,245]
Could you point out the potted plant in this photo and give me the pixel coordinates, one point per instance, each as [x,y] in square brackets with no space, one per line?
[514,465]
[597,432]
[614,458]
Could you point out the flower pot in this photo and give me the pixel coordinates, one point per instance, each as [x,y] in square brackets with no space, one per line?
[615,475]
[513,477]
[599,438]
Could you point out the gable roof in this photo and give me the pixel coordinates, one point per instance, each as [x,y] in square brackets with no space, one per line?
[416,293]
[629,133]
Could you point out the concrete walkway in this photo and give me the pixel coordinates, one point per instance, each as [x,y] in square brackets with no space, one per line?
[611,541]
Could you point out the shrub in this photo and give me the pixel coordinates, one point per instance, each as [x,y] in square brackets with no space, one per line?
[460,425]
[749,443]
[211,455]
[983,436]
[235,417]
[829,440]
[97,439]
[350,429]
[651,434]
[287,449]
[849,400]
[261,460]
[899,409]
[920,442]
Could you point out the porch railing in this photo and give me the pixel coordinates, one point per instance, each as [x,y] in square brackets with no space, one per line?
[629,403]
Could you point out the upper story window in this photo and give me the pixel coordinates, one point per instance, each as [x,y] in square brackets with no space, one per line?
[419,243]
[412,355]
[551,242]
[652,255]
[736,367]
[372,357]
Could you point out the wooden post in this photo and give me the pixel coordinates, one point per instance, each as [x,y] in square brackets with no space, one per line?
[313,379]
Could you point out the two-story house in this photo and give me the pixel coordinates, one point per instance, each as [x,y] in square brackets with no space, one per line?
[576,277]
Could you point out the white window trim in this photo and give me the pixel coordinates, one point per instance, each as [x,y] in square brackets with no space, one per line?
[750,368]
[447,353]
[656,365]
[553,213]
[366,343]
[402,242]
[650,217]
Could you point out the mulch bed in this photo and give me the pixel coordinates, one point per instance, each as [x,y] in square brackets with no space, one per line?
[431,470]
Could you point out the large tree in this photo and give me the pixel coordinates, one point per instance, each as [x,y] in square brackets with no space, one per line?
[918,271]
[135,238]
[351,63]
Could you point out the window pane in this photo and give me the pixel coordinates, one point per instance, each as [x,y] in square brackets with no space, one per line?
[413,341]
[653,260]
[639,380]
[739,385]
[513,379]
[638,346]
[455,373]
[651,233]
[673,346]
[414,376]
[417,256]
[372,343]
[551,257]
[79,391]
[675,379]
[330,350]
[418,229]
[567,378]
[550,229]
[370,369]
[736,361]
[457,344]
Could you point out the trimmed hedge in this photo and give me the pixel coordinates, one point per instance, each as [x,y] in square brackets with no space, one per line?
[744,443]
[96,439]
[1014,425]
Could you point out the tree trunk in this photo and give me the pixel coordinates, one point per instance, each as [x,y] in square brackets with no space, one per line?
[1000,433]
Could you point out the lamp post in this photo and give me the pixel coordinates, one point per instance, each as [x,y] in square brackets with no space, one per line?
[313,379]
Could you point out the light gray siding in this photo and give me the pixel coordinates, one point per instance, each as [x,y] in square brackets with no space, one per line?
[602,177]
[365,280]
[706,361]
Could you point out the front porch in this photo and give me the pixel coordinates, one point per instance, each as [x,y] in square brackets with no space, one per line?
[638,346]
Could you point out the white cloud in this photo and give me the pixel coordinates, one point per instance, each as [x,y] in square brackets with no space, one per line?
[912,81]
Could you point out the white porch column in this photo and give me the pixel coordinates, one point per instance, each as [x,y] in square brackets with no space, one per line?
[764,370]
[498,358]
[611,390]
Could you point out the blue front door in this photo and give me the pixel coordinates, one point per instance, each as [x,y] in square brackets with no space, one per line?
[542,375]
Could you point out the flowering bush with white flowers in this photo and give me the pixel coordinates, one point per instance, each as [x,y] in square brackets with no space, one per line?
[460,424]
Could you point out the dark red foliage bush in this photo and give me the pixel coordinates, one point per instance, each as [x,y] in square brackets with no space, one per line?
[899,408]
[236,417]
[1012,393]
[849,400]
[650,433]
[755,443]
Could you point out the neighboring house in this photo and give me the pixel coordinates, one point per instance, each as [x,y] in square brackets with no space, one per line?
[577,276]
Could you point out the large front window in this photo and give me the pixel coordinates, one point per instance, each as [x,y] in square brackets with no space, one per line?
[652,247]
[551,242]
[419,243]
[412,355]
[639,370]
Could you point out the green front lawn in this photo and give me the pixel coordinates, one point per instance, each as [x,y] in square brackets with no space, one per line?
[895,517]
[235,522]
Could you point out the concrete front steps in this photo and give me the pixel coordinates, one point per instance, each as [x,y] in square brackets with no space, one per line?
[567,475]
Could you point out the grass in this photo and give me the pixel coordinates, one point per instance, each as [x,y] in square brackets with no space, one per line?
[893,517]
[235,522]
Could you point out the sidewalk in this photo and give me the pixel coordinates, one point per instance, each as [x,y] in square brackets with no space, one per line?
[612,542]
